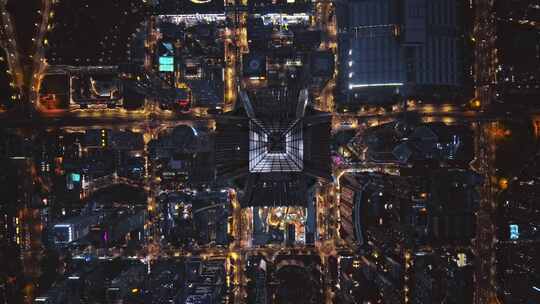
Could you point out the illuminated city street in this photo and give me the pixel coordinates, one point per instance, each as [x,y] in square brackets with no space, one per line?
[269,151]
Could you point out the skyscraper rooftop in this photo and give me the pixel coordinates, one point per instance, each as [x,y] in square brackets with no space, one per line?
[274,144]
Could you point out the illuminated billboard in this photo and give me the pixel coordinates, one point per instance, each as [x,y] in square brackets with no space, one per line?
[166,64]
[166,60]
[166,68]
[75,177]
[514,232]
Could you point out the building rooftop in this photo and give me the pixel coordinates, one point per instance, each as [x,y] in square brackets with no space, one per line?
[273,144]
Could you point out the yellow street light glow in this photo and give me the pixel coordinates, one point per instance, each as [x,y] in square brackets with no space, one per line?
[503,183]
